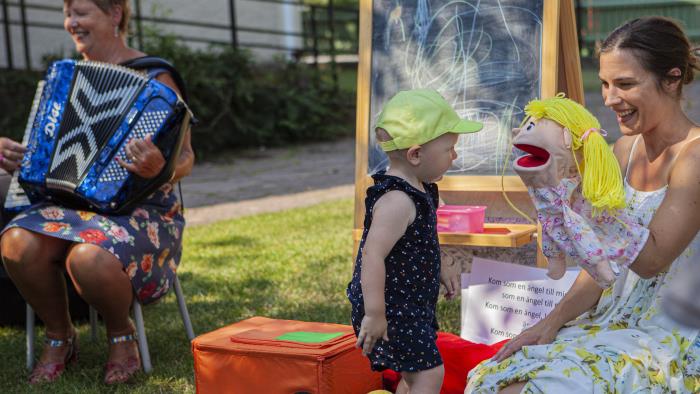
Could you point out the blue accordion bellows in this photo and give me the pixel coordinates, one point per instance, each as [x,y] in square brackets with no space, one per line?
[85,114]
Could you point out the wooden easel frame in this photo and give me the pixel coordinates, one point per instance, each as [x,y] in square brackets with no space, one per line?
[560,59]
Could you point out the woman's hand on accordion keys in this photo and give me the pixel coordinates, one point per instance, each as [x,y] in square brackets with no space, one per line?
[11,154]
[143,158]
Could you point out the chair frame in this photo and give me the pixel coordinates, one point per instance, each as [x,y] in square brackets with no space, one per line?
[142,340]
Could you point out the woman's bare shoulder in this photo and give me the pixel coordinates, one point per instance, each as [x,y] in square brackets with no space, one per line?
[135,53]
[691,150]
[684,169]
[623,146]
[165,78]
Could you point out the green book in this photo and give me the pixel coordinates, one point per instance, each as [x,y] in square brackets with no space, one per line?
[309,337]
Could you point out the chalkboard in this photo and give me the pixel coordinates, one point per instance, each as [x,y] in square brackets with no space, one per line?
[488,58]
[483,56]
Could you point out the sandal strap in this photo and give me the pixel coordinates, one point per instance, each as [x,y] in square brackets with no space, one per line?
[58,342]
[121,338]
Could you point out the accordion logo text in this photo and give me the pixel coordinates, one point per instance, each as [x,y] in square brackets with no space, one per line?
[50,128]
[83,115]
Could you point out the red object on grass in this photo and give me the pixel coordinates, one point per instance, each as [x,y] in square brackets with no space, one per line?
[459,356]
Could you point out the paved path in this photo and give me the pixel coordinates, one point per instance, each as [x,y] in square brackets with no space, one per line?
[230,210]
[258,181]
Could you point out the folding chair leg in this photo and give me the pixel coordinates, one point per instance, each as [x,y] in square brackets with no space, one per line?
[142,340]
[93,324]
[183,309]
[30,337]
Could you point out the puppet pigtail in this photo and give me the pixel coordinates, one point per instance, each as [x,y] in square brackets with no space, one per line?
[602,181]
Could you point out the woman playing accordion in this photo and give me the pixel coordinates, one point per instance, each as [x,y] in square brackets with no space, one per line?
[110,258]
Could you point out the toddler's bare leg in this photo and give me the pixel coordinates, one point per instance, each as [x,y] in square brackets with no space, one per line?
[424,382]
[402,388]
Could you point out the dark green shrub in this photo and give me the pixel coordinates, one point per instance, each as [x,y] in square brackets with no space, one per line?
[17,90]
[239,103]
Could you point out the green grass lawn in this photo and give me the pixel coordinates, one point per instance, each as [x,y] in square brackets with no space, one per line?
[289,265]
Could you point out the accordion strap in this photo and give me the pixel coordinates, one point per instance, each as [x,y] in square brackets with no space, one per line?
[146,62]
[149,62]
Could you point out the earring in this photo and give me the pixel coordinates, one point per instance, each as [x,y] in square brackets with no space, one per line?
[116,31]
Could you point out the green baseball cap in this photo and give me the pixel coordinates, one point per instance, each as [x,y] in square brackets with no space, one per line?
[415,117]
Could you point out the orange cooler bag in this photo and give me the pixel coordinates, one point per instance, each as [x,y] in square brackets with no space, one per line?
[261,355]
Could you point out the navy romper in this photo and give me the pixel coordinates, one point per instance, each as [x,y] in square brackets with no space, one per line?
[411,286]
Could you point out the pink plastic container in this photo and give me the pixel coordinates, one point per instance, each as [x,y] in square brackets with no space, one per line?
[461,218]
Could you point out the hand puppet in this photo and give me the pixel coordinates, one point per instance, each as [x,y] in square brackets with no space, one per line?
[575,183]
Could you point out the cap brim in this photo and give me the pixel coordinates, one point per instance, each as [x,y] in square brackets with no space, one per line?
[467,126]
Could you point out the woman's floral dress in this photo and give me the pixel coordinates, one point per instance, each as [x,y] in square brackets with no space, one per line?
[623,345]
[148,242]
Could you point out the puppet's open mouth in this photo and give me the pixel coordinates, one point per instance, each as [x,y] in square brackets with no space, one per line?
[536,157]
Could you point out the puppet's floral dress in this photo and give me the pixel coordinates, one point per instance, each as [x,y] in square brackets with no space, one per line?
[148,241]
[623,345]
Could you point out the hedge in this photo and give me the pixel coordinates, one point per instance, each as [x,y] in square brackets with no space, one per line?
[239,103]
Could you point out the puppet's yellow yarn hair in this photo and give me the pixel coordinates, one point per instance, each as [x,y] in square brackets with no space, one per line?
[602,180]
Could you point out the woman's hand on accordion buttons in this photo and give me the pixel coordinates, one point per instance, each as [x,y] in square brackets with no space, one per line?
[11,154]
[144,158]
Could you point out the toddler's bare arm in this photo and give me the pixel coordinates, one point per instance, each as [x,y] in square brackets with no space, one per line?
[392,214]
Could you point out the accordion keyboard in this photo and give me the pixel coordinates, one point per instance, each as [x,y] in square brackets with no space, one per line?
[17,199]
[145,125]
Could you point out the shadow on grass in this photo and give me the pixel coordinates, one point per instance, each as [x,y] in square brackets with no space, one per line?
[255,296]
[231,240]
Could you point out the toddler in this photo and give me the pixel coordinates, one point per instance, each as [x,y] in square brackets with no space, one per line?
[397,275]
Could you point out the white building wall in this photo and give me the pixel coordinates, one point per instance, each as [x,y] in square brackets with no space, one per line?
[249,14]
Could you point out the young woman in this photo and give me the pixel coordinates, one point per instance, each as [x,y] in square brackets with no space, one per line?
[617,339]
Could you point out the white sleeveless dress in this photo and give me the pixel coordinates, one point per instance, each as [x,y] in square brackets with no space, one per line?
[623,345]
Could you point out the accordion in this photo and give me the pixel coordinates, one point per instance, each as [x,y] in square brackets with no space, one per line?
[82,117]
